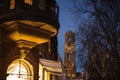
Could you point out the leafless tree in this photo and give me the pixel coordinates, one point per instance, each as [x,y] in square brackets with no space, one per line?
[103,30]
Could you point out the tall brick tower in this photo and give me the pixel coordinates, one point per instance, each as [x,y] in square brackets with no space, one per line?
[28,32]
[69,55]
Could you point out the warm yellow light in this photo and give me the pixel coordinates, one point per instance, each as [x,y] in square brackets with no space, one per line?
[32,31]
[17,72]
[21,36]
[20,69]
[48,77]
[45,75]
[40,25]
[28,2]
[40,72]
[12,4]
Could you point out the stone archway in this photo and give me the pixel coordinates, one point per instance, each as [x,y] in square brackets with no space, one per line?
[20,69]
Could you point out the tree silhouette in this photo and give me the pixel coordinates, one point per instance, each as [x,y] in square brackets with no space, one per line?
[100,36]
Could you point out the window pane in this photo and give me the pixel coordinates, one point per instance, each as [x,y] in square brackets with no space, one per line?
[12,4]
[28,2]
[17,71]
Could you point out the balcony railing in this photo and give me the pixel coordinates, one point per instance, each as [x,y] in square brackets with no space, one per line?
[49,7]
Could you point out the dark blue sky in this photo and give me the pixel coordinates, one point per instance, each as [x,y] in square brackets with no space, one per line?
[67,22]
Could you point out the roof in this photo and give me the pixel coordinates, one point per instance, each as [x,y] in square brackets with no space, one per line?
[51,66]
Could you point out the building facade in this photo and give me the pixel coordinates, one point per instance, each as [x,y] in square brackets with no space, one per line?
[28,40]
[69,56]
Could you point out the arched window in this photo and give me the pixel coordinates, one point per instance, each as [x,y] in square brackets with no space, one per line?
[12,4]
[28,2]
[19,70]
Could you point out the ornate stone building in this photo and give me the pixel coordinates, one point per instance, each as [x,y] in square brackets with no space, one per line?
[28,40]
[69,56]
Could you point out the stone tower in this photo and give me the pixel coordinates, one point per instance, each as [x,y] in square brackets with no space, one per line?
[28,32]
[69,55]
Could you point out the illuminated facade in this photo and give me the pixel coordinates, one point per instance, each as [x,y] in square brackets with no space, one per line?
[69,56]
[28,40]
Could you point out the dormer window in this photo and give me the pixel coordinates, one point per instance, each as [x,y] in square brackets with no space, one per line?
[28,2]
[12,4]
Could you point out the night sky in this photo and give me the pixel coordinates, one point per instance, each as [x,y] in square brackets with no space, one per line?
[67,22]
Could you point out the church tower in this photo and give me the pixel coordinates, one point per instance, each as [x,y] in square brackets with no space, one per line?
[69,55]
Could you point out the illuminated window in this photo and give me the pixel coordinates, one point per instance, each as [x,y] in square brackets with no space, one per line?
[19,71]
[28,2]
[12,4]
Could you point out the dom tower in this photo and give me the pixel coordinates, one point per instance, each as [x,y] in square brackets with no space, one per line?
[69,56]
[28,30]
